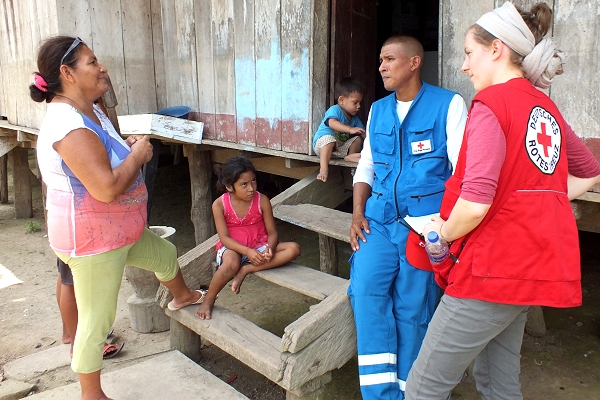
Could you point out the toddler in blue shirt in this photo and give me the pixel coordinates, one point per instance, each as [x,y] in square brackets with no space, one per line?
[341,133]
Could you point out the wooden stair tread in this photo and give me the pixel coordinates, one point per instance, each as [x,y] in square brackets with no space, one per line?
[301,279]
[326,221]
[249,343]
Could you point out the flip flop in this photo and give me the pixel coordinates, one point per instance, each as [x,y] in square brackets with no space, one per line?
[112,330]
[111,350]
[202,292]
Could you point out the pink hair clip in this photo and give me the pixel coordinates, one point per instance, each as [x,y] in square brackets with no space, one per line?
[40,83]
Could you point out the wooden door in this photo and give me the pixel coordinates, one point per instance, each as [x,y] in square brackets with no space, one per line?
[354,50]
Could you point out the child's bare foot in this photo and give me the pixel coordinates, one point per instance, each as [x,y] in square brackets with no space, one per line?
[205,310]
[323,175]
[353,157]
[236,284]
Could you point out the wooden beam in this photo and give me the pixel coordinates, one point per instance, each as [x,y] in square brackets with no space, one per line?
[200,181]
[7,143]
[4,178]
[312,191]
[328,254]
[212,144]
[22,183]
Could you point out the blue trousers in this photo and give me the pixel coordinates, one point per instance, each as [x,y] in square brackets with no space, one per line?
[393,303]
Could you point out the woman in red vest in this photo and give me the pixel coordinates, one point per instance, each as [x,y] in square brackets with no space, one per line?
[506,210]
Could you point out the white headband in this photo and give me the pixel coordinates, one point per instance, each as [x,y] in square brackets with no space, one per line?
[507,25]
[542,61]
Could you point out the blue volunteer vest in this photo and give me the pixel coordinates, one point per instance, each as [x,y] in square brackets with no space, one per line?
[410,159]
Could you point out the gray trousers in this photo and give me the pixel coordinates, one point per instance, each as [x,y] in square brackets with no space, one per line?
[462,330]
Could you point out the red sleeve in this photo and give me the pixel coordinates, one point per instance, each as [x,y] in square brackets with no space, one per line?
[486,150]
[582,163]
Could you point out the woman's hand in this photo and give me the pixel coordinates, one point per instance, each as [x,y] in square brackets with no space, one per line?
[141,148]
[434,225]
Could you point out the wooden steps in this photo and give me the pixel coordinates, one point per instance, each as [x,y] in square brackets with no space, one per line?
[323,220]
[301,279]
[320,341]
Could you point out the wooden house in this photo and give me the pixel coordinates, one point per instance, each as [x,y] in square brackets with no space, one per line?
[260,73]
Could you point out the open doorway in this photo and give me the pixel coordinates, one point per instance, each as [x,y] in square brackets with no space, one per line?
[359,28]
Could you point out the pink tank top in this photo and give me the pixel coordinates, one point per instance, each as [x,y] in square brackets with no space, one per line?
[249,230]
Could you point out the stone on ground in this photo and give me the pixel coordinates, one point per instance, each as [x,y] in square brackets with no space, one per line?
[14,390]
[168,376]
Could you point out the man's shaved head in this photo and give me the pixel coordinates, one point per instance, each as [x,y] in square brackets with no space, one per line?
[411,47]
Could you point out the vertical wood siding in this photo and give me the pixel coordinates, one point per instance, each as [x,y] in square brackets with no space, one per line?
[577,91]
[256,73]
[575,30]
[120,32]
[245,71]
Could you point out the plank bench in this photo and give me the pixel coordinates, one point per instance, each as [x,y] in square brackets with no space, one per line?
[329,223]
[321,340]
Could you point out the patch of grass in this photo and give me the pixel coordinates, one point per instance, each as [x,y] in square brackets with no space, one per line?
[32,226]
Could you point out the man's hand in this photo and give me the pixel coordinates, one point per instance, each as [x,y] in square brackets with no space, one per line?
[359,224]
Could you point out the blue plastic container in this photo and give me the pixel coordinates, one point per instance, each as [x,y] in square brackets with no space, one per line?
[175,111]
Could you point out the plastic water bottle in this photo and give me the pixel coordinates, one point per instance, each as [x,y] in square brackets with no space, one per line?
[436,247]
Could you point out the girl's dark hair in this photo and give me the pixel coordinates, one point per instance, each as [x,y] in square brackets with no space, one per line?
[48,63]
[538,20]
[231,170]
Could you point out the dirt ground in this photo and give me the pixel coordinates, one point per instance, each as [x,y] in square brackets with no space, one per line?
[565,364]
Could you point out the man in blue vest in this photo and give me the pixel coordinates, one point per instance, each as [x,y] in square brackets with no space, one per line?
[412,144]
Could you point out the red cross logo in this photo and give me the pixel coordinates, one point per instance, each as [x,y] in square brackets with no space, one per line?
[420,146]
[544,140]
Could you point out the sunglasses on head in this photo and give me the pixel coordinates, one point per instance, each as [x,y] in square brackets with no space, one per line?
[75,43]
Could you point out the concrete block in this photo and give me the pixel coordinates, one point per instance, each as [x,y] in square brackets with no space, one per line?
[34,365]
[168,376]
[14,390]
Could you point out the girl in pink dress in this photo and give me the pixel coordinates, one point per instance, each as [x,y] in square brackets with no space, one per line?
[248,240]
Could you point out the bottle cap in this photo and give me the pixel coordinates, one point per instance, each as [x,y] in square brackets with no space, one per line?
[433,237]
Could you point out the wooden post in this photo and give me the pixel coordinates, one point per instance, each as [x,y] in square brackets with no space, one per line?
[22,183]
[200,180]
[149,171]
[4,178]
[328,254]
[110,102]
[185,340]
[311,390]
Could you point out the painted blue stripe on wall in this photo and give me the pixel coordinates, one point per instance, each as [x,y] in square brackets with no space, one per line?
[295,87]
[245,88]
[268,85]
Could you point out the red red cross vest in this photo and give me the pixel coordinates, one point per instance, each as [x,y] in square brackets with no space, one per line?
[526,250]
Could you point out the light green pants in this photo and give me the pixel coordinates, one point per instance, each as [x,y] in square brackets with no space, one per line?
[97,280]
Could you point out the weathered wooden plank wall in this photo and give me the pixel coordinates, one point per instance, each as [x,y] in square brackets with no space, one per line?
[576,28]
[577,91]
[224,61]
[120,32]
[256,73]
[206,69]
[295,74]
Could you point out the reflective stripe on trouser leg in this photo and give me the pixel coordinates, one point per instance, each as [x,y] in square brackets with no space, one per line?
[377,269]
